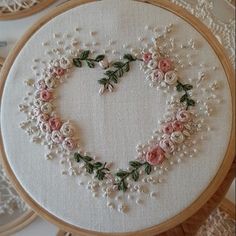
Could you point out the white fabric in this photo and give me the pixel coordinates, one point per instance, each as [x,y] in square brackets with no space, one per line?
[112,125]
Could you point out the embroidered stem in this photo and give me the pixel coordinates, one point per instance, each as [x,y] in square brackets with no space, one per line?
[113,75]
[123,175]
[186,97]
[84,56]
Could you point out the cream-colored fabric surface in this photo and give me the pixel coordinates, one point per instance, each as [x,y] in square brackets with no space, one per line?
[112,125]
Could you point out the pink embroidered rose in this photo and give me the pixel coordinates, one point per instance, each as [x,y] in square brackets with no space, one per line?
[177,125]
[168,128]
[157,75]
[56,136]
[155,156]
[40,84]
[147,56]
[58,71]
[183,116]
[69,144]
[167,145]
[165,65]
[46,95]
[54,123]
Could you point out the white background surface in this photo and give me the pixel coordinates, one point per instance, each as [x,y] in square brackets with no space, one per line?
[18,28]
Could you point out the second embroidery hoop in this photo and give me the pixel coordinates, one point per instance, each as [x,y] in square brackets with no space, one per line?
[27,8]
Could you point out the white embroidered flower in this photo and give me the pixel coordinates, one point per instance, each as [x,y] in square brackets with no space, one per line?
[43,117]
[40,84]
[35,112]
[157,75]
[152,64]
[171,77]
[48,137]
[51,82]
[69,144]
[167,145]
[37,103]
[37,94]
[65,63]
[183,116]
[57,137]
[44,127]
[177,137]
[104,64]
[67,129]
[47,108]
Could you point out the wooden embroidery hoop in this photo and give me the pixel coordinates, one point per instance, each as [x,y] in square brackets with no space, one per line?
[213,185]
[22,221]
[26,12]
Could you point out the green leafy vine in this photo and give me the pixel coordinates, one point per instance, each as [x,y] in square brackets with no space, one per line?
[185,97]
[91,166]
[122,175]
[120,67]
[84,56]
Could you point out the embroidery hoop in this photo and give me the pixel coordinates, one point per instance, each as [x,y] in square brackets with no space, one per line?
[24,219]
[27,11]
[215,183]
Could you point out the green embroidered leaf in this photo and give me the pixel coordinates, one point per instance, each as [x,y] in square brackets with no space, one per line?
[87,158]
[103,81]
[114,78]
[77,62]
[148,168]
[129,57]
[84,55]
[126,67]
[77,157]
[99,58]
[120,73]
[135,175]
[109,73]
[188,87]
[122,173]
[122,186]
[89,168]
[97,165]
[190,102]
[179,87]
[184,97]
[100,175]
[90,64]
[135,164]
[118,64]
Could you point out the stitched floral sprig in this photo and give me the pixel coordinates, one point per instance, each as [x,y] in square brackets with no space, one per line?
[84,56]
[185,98]
[91,166]
[122,175]
[120,67]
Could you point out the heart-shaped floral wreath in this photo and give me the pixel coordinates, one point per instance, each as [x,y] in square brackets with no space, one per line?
[180,123]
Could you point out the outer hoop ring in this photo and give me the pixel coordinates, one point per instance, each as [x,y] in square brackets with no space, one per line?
[213,185]
[21,221]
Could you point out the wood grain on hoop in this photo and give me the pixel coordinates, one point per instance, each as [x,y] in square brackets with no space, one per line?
[27,11]
[213,185]
[18,224]
[1,61]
